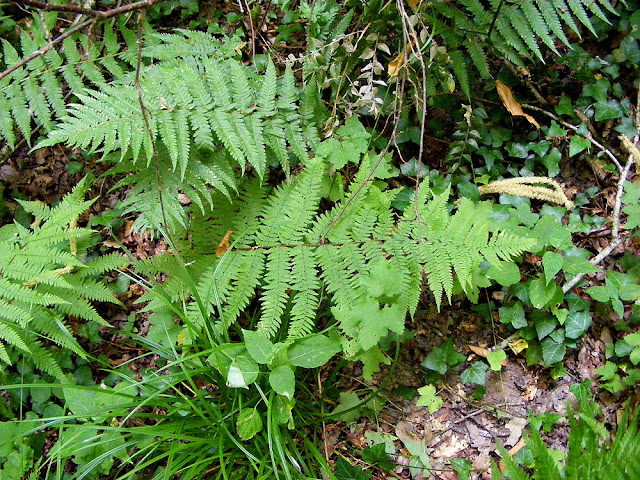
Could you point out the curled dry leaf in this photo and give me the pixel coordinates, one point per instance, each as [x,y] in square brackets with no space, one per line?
[224,244]
[396,64]
[478,350]
[506,95]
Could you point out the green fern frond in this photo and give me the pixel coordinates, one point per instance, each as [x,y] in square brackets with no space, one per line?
[285,252]
[43,280]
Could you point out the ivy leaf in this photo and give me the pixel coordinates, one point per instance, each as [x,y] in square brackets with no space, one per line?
[476,373]
[576,324]
[505,273]
[377,455]
[552,352]
[443,357]
[577,145]
[429,399]
[513,315]
[249,423]
[345,471]
[607,110]
[495,359]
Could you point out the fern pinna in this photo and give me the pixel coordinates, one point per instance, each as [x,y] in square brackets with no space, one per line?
[43,281]
[288,251]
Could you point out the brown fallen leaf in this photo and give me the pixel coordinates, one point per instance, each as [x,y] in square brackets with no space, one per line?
[479,350]
[506,95]
[515,449]
[396,64]
[224,244]
[413,3]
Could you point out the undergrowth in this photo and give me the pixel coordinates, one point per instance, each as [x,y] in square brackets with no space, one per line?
[304,225]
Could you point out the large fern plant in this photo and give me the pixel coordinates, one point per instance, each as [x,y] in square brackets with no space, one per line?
[208,114]
[288,250]
[516,30]
[46,278]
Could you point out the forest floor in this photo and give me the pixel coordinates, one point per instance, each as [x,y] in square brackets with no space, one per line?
[462,428]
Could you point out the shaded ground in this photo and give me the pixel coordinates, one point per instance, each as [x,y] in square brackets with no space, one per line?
[464,427]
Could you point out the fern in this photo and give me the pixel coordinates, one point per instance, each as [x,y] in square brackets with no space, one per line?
[43,281]
[369,262]
[514,30]
[587,458]
[36,93]
[207,116]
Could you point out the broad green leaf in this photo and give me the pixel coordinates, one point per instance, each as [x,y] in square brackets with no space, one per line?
[249,423]
[576,324]
[577,145]
[552,352]
[495,359]
[541,293]
[475,374]
[552,263]
[347,401]
[313,351]
[505,273]
[429,399]
[259,347]
[283,381]
[513,315]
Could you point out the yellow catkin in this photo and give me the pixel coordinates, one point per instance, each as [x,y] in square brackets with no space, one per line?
[539,188]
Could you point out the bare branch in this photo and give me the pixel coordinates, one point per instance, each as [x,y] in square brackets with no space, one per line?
[95,13]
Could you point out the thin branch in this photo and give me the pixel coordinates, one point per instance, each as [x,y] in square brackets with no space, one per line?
[100,15]
[47,7]
[613,158]
[616,240]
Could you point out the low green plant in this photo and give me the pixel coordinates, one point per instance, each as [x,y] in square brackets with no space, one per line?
[46,277]
[591,454]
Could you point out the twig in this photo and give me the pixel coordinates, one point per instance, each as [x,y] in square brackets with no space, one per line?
[100,15]
[613,158]
[616,240]
[47,7]
[87,11]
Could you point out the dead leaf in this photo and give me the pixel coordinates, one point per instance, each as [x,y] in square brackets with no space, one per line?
[224,244]
[413,3]
[479,350]
[396,64]
[515,449]
[515,426]
[518,345]
[506,95]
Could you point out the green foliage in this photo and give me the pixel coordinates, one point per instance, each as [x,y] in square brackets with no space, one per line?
[369,263]
[587,457]
[37,92]
[44,280]
[512,29]
[208,113]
